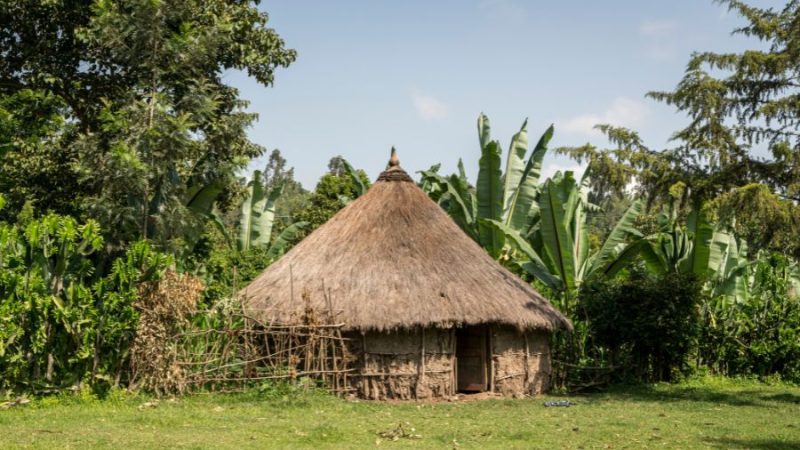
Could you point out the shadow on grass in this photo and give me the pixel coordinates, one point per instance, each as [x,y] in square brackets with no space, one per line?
[784,397]
[729,396]
[755,444]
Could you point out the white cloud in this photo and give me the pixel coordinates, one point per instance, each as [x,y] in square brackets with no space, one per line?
[654,28]
[580,124]
[429,108]
[623,112]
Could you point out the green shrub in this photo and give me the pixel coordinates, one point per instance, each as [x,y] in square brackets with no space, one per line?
[60,323]
[758,335]
[647,325]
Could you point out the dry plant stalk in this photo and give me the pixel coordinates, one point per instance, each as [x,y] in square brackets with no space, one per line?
[164,306]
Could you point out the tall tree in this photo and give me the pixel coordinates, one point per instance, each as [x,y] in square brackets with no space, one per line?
[741,148]
[333,191]
[146,114]
[738,100]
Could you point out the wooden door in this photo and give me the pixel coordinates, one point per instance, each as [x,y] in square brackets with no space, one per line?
[471,359]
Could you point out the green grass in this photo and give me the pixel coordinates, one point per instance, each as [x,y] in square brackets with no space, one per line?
[708,413]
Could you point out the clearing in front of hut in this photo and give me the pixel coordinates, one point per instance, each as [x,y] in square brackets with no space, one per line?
[707,413]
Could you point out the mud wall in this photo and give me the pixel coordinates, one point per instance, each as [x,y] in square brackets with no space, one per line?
[392,366]
[520,361]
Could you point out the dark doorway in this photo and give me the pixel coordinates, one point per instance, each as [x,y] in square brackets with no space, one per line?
[471,370]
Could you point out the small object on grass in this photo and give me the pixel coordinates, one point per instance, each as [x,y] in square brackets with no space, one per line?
[558,403]
[400,432]
[18,402]
[147,405]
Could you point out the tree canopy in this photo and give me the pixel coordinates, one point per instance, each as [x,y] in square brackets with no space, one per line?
[738,100]
[740,152]
[125,101]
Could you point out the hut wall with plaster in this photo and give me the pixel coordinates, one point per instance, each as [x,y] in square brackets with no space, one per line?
[429,363]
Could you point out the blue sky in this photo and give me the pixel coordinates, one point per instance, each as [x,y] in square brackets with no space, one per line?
[415,74]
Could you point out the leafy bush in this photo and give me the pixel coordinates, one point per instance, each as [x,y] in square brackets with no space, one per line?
[645,323]
[758,335]
[59,323]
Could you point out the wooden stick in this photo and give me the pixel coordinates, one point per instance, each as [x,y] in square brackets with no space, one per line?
[527,364]
[513,375]
[394,374]
[421,366]
[490,355]
[453,363]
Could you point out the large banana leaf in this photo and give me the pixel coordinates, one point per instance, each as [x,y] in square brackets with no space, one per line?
[702,232]
[490,197]
[467,193]
[361,189]
[200,198]
[732,275]
[462,174]
[454,195]
[623,229]
[628,255]
[251,206]
[668,251]
[464,206]
[718,253]
[427,186]
[484,130]
[678,250]
[267,219]
[258,214]
[524,197]
[535,266]
[557,202]
[287,236]
[653,255]
[580,231]
[515,165]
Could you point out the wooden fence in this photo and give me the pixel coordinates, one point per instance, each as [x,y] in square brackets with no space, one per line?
[233,351]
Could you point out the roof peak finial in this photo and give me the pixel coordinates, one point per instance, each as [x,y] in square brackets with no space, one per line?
[394,161]
[393,170]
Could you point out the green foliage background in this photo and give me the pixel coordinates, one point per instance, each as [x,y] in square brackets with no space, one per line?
[122,150]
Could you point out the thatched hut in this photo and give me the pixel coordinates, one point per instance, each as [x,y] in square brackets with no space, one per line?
[428,311]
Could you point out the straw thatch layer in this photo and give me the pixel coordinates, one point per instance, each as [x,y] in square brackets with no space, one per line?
[394,259]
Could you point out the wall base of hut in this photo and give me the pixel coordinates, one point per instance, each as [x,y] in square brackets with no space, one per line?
[521,362]
[421,364]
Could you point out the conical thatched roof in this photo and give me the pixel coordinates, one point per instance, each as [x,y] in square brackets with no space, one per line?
[394,259]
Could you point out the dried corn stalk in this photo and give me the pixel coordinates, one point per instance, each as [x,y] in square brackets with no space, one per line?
[164,306]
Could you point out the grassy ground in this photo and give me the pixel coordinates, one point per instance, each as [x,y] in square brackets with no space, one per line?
[710,413]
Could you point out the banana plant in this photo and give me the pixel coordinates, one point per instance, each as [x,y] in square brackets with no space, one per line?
[686,249]
[498,196]
[359,187]
[554,246]
[258,217]
[730,268]
[541,227]
[257,214]
[254,228]
[707,251]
